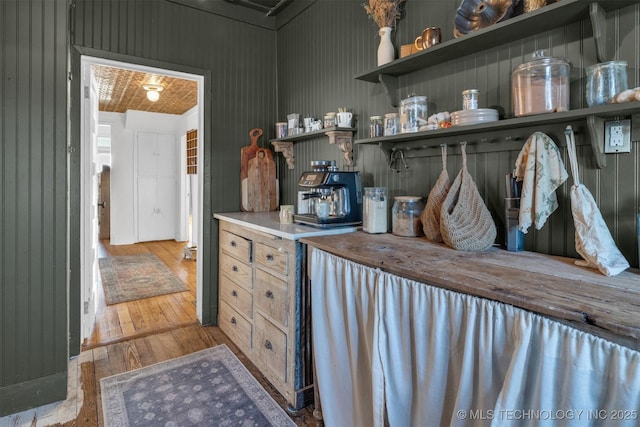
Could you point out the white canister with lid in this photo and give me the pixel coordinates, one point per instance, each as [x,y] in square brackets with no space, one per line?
[374,210]
[540,85]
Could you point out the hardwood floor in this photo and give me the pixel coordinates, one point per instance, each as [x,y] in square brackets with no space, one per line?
[135,334]
[138,318]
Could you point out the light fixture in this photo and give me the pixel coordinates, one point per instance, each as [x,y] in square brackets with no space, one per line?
[153,91]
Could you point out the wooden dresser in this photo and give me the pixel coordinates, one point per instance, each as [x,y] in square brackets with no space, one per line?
[264,303]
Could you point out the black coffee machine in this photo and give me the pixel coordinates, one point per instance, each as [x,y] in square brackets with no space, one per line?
[335,198]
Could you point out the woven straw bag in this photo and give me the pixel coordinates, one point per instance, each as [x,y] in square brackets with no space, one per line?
[430,216]
[465,222]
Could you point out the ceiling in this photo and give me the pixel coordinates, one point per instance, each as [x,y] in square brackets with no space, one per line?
[120,90]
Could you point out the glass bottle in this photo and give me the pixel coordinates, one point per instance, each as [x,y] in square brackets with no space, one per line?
[405,216]
[374,210]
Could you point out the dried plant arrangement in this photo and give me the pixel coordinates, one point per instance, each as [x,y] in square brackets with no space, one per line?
[384,13]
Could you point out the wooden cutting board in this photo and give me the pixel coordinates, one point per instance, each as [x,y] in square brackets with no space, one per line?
[261,189]
[259,185]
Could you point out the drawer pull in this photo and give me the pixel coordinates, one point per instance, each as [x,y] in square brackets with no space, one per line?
[268,294]
[233,244]
[234,268]
[234,293]
[267,345]
[233,320]
[269,257]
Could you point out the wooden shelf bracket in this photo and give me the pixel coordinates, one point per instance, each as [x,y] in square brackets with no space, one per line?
[595,128]
[344,140]
[286,148]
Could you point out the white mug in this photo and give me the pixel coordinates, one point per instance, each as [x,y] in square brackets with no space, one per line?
[323,208]
[344,119]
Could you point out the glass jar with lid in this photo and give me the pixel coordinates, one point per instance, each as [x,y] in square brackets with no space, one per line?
[405,216]
[413,114]
[374,210]
[391,124]
[376,126]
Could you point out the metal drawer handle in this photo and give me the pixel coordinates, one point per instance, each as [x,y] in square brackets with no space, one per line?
[233,243]
[269,257]
[268,294]
[234,268]
[234,293]
[233,320]
[267,345]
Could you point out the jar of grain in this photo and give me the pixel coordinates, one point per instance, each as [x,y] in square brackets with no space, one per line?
[405,216]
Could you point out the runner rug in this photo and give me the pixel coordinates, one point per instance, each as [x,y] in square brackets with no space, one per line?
[207,388]
[131,277]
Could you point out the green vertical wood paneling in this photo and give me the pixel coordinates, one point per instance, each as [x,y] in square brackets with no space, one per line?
[33,281]
[241,93]
[321,51]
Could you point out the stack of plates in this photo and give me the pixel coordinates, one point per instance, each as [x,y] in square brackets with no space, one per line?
[472,117]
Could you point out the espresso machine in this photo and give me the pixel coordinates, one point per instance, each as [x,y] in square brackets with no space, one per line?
[334,198]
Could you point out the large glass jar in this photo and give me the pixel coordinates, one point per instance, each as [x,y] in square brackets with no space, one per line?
[413,114]
[374,210]
[540,85]
[405,216]
[605,81]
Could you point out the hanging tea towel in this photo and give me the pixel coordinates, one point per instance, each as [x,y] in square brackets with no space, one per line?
[430,216]
[593,239]
[541,171]
[465,222]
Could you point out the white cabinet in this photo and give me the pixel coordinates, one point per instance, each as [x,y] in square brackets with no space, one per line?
[156,189]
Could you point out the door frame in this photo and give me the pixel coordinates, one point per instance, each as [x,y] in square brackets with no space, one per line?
[204,307]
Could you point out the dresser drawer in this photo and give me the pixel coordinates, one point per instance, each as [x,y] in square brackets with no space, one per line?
[271,296]
[236,270]
[276,259]
[271,347]
[235,326]
[235,245]
[236,296]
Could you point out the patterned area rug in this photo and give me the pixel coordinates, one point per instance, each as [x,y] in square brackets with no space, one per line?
[131,277]
[207,388]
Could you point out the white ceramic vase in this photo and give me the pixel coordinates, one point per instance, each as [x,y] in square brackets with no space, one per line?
[386,51]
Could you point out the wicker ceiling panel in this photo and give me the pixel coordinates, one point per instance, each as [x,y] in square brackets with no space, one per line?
[120,90]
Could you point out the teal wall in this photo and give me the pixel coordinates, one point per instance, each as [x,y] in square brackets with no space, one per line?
[318,54]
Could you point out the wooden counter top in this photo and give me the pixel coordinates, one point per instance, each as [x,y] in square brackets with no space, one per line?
[553,286]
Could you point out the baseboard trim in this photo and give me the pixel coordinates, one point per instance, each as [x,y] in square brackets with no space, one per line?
[31,394]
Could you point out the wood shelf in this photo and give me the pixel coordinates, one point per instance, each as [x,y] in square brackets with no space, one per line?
[527,24]
[594,118]
[342,137]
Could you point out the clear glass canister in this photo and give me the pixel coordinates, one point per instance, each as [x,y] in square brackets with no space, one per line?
[413,114]
[376,126]
[540,86]
[470,99]
[405,216]
[374,210]
[391,123]
[605,81]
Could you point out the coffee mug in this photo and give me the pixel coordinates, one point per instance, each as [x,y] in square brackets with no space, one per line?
[430,37]
[344,119]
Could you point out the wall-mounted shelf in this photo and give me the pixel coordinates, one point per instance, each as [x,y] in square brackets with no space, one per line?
[594,118]
[537,21]
[342,137]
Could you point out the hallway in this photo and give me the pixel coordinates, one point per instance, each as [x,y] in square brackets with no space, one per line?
[118,322]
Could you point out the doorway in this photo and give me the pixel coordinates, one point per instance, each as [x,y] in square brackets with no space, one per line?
[93,92]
